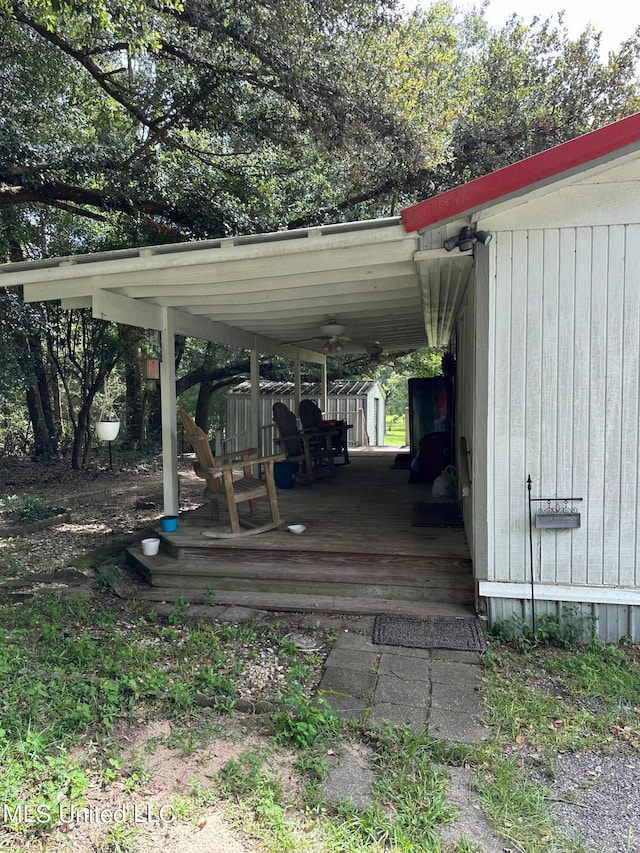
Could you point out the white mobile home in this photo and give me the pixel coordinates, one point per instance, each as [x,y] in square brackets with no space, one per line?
[548,340]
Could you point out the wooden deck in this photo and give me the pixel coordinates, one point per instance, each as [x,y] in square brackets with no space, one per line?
[358,553]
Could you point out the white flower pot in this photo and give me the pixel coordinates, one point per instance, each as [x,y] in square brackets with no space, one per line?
[150,547]
[107,430]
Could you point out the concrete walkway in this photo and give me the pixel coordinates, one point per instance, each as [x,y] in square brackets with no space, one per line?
[433,690]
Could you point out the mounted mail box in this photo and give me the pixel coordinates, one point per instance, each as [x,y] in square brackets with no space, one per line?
[557,520]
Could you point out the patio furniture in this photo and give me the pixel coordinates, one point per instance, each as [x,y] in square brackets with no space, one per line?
[309,448]
[336,430]
[218,472]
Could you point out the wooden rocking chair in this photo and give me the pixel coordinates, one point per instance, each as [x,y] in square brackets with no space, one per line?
[309,448]
[221,485]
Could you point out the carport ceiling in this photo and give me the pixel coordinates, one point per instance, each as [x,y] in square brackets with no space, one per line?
[280,287]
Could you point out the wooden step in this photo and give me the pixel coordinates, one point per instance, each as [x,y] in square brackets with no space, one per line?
[353,572]
[356,580]
[397,593]
[300,556]
[315,604]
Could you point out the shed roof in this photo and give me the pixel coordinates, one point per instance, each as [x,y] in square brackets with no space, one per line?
[337,388]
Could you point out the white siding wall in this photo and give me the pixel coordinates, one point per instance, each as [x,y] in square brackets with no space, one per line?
[482,449]
[465,392]
[563,338]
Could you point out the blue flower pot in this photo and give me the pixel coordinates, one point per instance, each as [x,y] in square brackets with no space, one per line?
[169,523]
[284,474]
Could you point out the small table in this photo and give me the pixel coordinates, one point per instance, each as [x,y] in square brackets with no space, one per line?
[339,440]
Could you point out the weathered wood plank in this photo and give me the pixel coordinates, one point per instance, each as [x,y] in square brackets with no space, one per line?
[384,563]
[354,573]
[317,604]
[397,593]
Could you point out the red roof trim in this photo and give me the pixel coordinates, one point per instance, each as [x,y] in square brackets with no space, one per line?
[525,173]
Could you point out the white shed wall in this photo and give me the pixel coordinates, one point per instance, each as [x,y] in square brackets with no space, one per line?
[365,412]
[563,404]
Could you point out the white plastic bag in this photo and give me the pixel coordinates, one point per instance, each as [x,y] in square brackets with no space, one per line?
[445,484]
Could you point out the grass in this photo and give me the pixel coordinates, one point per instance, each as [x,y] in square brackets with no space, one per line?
[545,700]
[394,430]
[72,669]
[28,506]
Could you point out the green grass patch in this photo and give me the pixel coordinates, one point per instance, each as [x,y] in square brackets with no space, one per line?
[410,801]
[71,668]
[544,700]
[517,806]
[394,430]
[28,506]
[259,805]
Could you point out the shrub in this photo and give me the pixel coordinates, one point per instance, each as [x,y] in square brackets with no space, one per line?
[29,506]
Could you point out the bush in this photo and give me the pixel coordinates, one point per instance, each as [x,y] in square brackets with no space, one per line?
[29,506]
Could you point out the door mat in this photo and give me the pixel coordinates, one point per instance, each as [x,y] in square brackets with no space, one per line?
[463,635]
[424,514]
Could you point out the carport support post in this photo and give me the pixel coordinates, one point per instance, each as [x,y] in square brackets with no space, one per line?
[323,386]
[254,407]
[297,381]
[169,414]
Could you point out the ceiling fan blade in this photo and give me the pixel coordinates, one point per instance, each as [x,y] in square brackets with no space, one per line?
[303,340]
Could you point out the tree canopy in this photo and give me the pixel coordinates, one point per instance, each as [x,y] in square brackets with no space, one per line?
[127,123]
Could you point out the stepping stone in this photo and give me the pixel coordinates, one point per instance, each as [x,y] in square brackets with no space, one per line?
[350,778]
[347,682]
[398,715]
[456,726]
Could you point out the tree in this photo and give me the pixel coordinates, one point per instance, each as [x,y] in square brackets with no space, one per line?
[217,119]
[84,352]
[534,87]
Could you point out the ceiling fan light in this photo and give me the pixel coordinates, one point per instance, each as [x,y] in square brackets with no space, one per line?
[332,330]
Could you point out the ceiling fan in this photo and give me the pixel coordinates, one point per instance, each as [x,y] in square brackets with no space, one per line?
[333,337]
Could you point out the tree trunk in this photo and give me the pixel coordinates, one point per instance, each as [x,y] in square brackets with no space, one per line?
[80,435]
[202,405]
[39,405]
[134,400]
[82,426]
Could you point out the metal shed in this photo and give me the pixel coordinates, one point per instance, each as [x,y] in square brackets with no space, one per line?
[359,402]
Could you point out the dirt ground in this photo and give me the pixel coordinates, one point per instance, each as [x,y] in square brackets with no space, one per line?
[107,507]
[150,813]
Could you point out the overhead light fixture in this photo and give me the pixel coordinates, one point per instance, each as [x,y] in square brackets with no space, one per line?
[465,240]
[332,329]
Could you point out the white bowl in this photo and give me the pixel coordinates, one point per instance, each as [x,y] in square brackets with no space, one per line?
[296,528]
[150,547]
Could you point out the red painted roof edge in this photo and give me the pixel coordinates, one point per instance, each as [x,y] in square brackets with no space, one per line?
[539,167]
